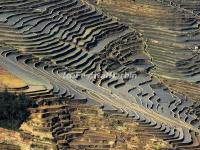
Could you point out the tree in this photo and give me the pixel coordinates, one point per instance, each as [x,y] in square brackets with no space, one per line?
[13,107]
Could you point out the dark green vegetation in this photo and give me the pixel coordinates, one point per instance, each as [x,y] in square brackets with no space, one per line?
[13,109]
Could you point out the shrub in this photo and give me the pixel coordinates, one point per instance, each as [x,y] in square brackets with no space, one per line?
[13,108]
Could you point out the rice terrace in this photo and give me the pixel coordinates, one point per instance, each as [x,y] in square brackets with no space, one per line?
[99,74]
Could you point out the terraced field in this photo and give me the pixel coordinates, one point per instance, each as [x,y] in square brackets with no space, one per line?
[171,32]
[77,126]
[10,81]
[76,52]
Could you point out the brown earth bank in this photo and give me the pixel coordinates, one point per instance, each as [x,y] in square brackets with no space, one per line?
[10,140]
[79,126]
[10,81]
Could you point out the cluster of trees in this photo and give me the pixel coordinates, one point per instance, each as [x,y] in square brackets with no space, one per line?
[13,108]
